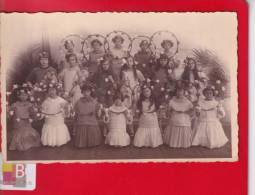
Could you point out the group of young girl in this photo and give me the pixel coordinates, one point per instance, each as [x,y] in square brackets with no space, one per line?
[116,88]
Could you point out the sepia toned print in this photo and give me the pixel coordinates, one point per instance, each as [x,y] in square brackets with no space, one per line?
[119,87]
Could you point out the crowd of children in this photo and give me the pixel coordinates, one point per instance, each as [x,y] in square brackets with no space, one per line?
[117,88]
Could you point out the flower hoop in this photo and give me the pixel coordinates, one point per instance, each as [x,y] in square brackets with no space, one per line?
[89,40]
[158,37]
[135,42]
[76,40]
[108,44]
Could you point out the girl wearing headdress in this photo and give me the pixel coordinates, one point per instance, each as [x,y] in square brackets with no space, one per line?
[118,52]
[117,116]
[148,133]
[178,133]
[69,78]
[144,59]
[69,46]
[209,131]
[132,78]
[104,80]
[94,55]
[86,131]
[195,81]
[54,110]
[21,112]
[44,72]
[41,75]
[163,75]
[172,63]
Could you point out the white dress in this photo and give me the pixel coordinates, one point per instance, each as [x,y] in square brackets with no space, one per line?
[148,132]
[209,131]
[69,77]
[178,133]
[54,132]
[117,135]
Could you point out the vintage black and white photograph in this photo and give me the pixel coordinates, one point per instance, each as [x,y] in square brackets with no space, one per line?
[119,87]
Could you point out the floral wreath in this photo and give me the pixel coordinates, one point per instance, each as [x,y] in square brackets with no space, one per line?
[109,36]
[90,38]
[157,40]
[83,44]
[137,41]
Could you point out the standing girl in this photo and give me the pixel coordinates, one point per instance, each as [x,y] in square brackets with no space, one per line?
[144,59]
[69,78]
[55,109]
[117,116]
[192,76]
[118,52]
[209,131]
[178,133]
[87,132]
[148,132]
[162,74]
[94,55]
[25,136]
[131,78]
[104,80]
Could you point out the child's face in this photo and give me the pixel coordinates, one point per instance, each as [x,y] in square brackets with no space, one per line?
[23,97]
[118,102]
[180,93]
[191,64]
[144,47]
[147,92]
[96,46]
[167,46]
[118,43]
[72,61]
[86,93]
[106,65]
[130,62]
[52,92]
[163,62]
[208,94]
[69,47]
[44,62]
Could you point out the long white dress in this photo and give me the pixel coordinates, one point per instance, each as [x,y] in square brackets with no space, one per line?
[209,131]
[54,132]
[148,132]
[178,133]
[117,135]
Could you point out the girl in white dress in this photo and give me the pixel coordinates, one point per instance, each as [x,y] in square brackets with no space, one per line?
[131,77]
[209,131]
[54,109]
[70,79]
[148,132]
[178,133]
[117,116]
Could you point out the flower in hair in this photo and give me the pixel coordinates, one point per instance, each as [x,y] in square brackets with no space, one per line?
[169,71]
[218,82]
[223,88]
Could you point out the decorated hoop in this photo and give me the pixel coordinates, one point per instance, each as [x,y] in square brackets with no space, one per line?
[135,42]
[90,38]
[77,40]
[158,37]
[108,44]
